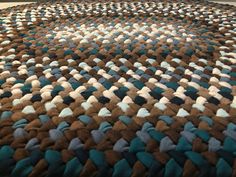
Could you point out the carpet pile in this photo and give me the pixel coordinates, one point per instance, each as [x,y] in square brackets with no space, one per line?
[118,89]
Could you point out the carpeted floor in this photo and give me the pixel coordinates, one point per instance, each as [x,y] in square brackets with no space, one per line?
[4,5]
[232,2]
[121,88]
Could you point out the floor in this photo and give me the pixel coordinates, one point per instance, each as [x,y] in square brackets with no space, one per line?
[7,4]
[10,4]
[226,2]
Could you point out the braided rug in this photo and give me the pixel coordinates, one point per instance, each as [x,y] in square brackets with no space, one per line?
[118,89]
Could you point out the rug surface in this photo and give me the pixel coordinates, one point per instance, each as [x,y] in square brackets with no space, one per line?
[118,89]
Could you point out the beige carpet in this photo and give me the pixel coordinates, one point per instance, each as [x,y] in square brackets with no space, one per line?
[10,4]
[7,4]
[226,2]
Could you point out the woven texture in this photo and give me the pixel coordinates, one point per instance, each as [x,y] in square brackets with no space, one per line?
[118,89]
